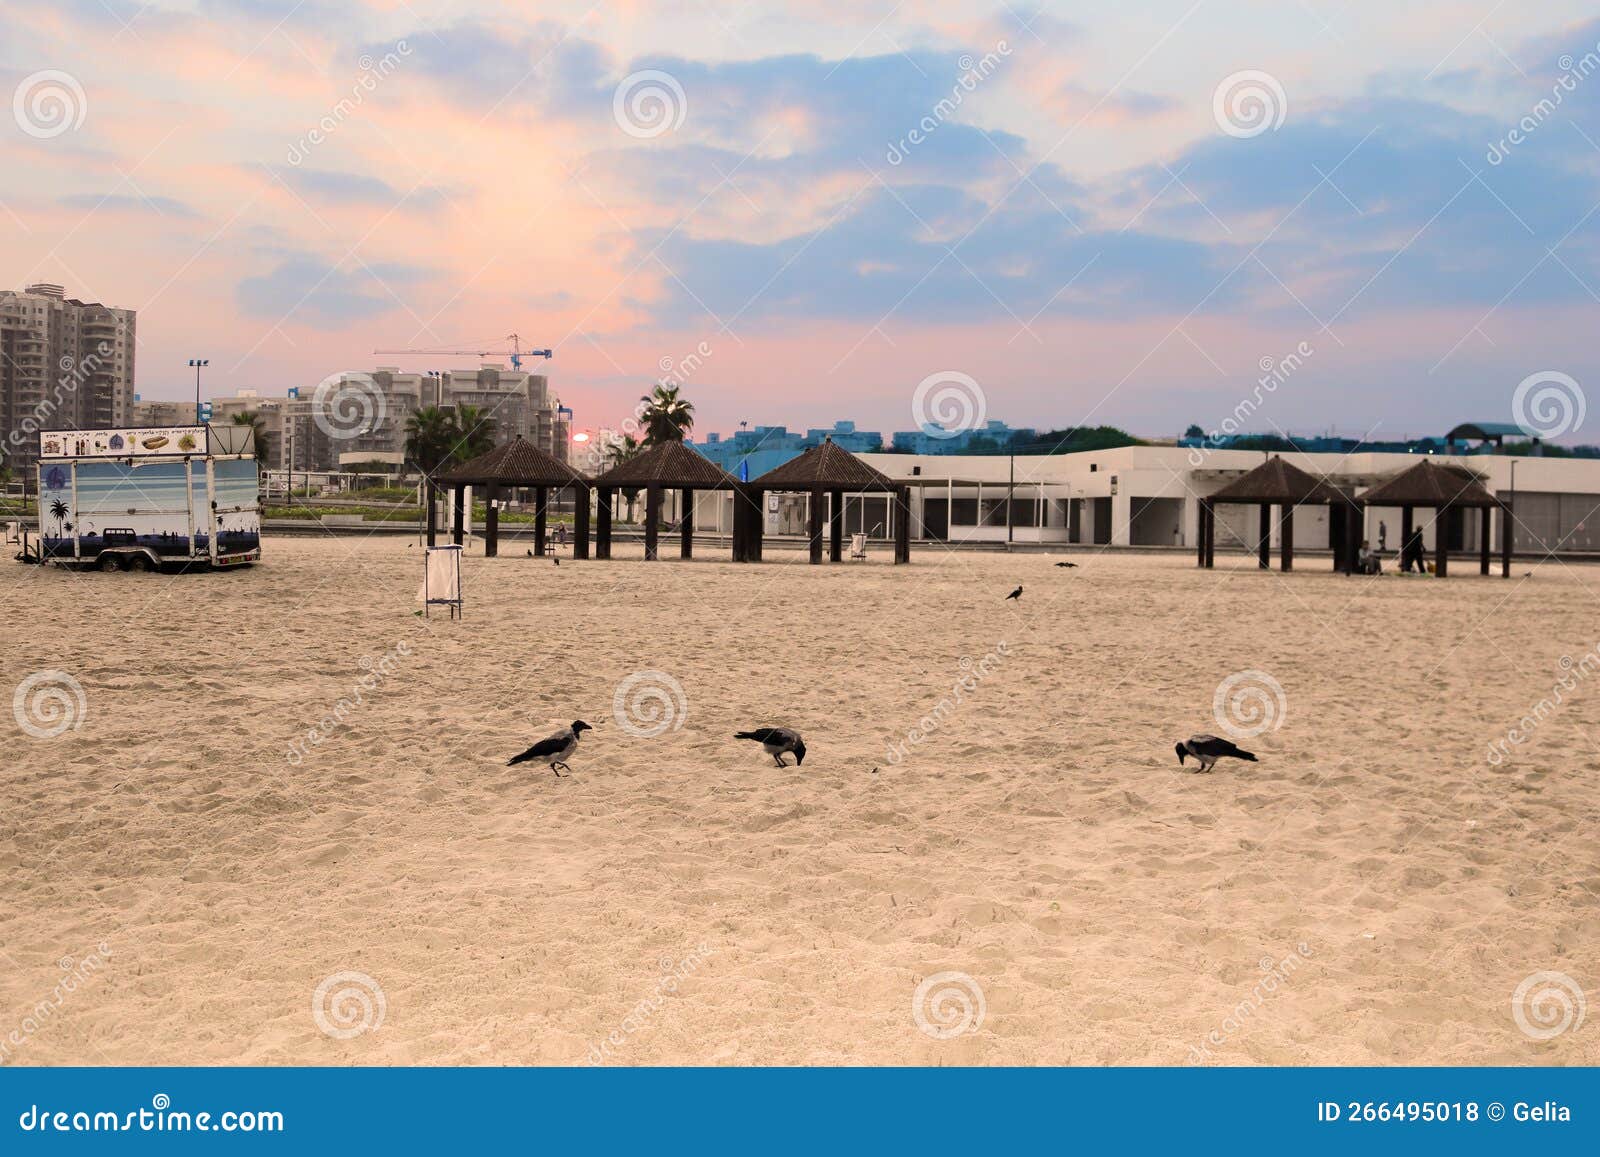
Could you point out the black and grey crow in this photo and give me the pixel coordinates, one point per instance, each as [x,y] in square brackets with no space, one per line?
[554,750]
[776,741]
[1016,594]
[1208,749]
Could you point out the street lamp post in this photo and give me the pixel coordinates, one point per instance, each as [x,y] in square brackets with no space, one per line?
[196,364]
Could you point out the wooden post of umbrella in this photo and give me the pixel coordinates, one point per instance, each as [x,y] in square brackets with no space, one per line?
[1441,541]
[836,530]
[1505,539]
[604,497]
[580,521]
[1264,549]
[491,522]
[686,524]
[1483,542]
[539,516]
[902,525]
[431,493]
[1286,548]
[458,530]
[652,519]
[814,519]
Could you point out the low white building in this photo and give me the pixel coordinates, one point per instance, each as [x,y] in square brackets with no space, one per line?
[1149,496]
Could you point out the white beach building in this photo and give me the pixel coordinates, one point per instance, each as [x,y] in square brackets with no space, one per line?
[1148,496]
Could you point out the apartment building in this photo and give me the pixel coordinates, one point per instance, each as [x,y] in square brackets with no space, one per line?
[64,363]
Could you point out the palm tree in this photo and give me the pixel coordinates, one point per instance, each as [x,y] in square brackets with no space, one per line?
[430,433]
[618,451]
[474,432]
[259,428]
[430,437]
[666,416]
[59,512]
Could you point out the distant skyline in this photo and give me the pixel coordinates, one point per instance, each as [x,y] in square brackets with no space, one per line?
[1121,215]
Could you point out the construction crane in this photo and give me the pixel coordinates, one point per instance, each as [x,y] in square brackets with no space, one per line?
[516,352]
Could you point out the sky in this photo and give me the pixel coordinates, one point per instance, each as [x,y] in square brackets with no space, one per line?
[1050,215]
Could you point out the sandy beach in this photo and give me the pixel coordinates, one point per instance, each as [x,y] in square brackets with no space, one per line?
[1373,891]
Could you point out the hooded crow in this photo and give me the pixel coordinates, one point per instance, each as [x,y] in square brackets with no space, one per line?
[1016,594]
[775,741]
[554,750]
[1208,749]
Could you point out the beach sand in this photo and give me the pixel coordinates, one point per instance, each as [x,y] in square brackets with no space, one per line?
[1372,891]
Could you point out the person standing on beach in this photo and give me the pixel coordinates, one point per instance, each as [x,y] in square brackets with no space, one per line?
[1411,552]
[1383,536]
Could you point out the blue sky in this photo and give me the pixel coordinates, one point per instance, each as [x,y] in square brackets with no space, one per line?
[837,199]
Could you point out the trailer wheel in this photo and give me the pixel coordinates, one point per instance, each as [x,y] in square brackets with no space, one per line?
[108,563]
[139,562]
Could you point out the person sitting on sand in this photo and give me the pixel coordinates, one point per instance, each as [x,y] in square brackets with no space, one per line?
[1366,561]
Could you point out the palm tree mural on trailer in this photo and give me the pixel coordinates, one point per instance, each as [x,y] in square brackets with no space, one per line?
[257,427]
[59,512]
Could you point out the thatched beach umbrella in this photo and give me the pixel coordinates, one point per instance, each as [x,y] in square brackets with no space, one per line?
[1278,482]
[1446,488]
[518,463]
[829,471]
[664,466]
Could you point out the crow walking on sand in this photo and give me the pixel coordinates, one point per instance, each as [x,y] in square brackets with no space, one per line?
[554,750]
[1016,594]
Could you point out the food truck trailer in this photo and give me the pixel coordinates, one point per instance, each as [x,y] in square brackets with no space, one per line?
[148,498]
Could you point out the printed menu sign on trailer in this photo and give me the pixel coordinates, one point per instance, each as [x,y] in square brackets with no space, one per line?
[130,442]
